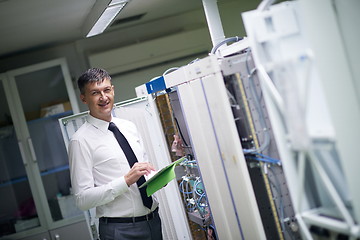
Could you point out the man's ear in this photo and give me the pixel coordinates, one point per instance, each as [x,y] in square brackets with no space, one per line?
[82,97]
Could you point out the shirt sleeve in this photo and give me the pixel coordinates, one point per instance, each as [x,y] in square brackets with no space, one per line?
[86,194]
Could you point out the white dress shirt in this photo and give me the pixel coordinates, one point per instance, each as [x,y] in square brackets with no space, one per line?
[98,166]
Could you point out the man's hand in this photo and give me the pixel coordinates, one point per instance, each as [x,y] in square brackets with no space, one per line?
[138,170]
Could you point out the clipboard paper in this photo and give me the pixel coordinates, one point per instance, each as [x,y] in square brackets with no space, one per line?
[161,178]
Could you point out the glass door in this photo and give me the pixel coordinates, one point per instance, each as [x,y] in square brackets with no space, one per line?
[17,209]
[41,94]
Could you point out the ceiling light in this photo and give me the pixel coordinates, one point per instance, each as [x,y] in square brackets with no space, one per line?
[108,14]
[115,2]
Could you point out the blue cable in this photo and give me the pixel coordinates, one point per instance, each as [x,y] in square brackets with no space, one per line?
[197,182]
[267,157]
[181,184]
[263,160]
[191,209]
[201,209]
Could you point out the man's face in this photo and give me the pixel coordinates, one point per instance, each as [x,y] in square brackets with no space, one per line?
[99,96]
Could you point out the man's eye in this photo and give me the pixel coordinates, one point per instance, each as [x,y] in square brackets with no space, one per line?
[94,93]
[107,90]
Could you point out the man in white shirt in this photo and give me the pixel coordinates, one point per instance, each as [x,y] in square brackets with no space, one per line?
[101,175]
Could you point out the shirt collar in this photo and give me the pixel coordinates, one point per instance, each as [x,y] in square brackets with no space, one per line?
[98,123]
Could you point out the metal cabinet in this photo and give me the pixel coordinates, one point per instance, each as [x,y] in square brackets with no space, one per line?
[41,236]
[77,231]
[34,172]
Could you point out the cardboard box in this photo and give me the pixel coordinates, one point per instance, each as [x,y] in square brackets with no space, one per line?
[32,115]
[55,109]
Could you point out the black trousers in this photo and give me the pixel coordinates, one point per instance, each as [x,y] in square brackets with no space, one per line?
[142,230]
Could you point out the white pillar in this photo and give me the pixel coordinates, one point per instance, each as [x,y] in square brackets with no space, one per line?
[214,21]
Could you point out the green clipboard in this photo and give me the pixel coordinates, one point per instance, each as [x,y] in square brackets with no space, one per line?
[161,178]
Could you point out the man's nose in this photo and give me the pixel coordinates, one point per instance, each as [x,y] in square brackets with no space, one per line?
[103,95]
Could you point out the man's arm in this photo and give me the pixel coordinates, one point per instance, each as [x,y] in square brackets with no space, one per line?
[86,194]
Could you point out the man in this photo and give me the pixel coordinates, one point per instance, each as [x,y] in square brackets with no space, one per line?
[101,175]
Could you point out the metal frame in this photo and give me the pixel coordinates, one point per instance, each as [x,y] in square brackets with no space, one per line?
[283,51]
[217,149]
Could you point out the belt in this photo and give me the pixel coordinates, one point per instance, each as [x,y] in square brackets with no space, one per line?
[129,219]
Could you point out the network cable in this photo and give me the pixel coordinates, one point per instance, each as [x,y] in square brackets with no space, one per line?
[231,39]
[263,158]
[266,141]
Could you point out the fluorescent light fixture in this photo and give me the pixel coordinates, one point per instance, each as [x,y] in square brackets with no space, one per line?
[107,16]
[116,2]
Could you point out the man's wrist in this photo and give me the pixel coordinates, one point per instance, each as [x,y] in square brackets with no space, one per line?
[126,178]
[119,186]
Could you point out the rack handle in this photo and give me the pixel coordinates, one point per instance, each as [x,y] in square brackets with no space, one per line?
[22,153]
[32,150]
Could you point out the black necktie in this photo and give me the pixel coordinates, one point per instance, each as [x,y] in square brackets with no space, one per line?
[130,155]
